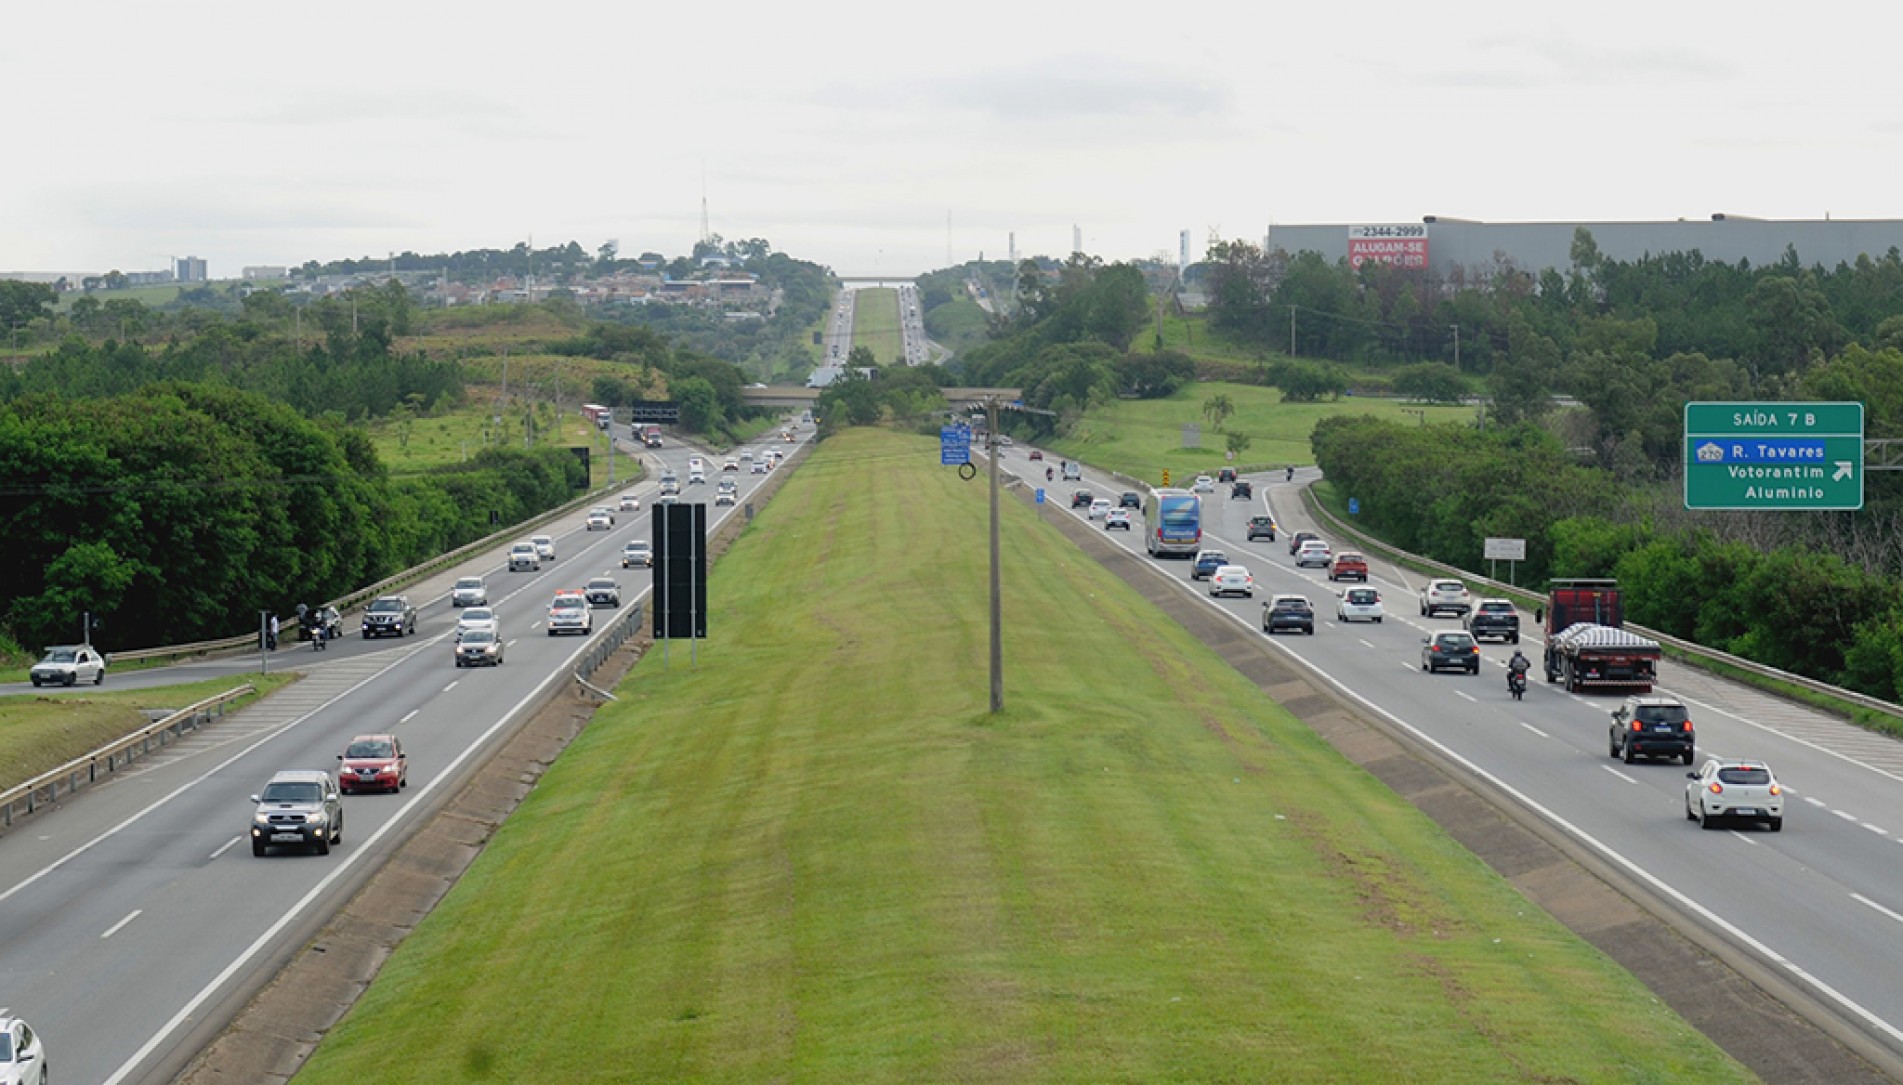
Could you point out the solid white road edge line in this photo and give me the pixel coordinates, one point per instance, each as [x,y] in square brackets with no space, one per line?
[1612,855]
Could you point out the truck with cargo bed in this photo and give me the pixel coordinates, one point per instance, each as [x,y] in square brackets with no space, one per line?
[1587,646]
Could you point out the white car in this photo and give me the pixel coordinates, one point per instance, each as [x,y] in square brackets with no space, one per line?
[724,497]
[630,503]
[1231,580]
[1204,485]
[1359,605]
[695,463]
[1099,509]
[600,519]
[1314,552]
[476,619]
[22,1054]
[1444,595]
[1117,518]
[759,467]
[1734,790]
[524,558]
[670,485]
[697,478]
[544,547]
[732,463]
[469,592]
[68,665]
[569,614]
[637,553]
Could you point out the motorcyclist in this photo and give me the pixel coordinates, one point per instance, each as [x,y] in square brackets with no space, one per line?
[1517,668]
[1291,474]
[1049,474]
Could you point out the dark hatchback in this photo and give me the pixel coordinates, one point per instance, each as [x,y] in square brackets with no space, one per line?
[1652,727]
[1243,490]
[1130,500]
[1081,499]
[1207,562]
[1261,527]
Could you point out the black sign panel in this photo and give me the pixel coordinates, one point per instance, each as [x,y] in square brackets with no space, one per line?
[680,572]
[657,411]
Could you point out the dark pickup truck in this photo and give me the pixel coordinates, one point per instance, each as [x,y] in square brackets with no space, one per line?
[1494,618]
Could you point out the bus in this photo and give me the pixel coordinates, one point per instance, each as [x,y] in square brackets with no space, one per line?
[1172,522]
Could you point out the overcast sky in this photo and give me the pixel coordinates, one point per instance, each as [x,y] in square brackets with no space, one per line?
[250,133]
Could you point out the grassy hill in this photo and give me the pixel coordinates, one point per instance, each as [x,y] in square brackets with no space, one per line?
[814,856]
[1141,437]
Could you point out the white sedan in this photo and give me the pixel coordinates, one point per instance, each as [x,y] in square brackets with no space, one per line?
[1359,605]
[475,618]
[1204,485]
[630,503]
[1232,580]
[1314,552]
[1099,509]
[600,519]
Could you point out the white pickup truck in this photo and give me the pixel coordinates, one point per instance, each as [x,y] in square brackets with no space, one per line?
[69,665]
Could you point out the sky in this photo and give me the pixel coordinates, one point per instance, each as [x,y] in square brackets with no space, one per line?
[892,138]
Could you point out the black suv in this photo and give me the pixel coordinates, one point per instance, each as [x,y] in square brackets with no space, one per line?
[390,616]
[1081,499]
[1130,500]
[1261,527]
[1242,489]
[1494,618]
[1290,612]
[1651,727]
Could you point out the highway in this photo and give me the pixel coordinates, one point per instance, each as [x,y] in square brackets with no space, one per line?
[1820,902]
[134,920]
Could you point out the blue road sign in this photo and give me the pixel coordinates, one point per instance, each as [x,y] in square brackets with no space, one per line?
[1354,506]
[1040,495]
[954,445]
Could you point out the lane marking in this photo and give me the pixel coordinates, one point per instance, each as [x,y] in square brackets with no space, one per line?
[1534,729]
[1463,693]
[117,927]
[411,716]
[1845,816]
[226,846]
[449,687]
[1819,803]
[1620,775]
[1365,641]
[1868,903]
[1744,838]
[1876,830]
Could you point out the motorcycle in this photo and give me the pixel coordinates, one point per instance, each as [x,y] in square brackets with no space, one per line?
[1516,684]
[1049,474]
[1291,474]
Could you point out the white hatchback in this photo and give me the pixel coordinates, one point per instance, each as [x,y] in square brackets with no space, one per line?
[1204,485]
[1359,605]
[1735,791]
[476,618]
[1440,595]
[1099,508]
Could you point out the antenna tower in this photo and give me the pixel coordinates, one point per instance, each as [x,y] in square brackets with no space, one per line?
[706,234]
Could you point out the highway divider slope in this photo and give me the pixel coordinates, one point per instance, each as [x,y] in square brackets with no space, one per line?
[813,855]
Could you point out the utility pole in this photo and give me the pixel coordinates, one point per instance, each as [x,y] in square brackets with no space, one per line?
[1456,347]
[997,591]
[1291,331]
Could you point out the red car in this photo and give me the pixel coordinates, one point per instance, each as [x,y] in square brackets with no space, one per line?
[1036,455]
[1349,565]
[373,763]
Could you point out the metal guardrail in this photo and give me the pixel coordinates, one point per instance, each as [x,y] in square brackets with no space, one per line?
[1686,647]
[46,788]
[624,629]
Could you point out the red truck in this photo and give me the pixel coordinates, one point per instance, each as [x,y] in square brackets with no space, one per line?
[1586,644]
[651,436]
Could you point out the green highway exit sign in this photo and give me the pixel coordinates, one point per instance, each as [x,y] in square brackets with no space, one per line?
[1774,456]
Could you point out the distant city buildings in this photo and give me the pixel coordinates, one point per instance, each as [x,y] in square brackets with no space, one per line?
[190,269]
[264,271]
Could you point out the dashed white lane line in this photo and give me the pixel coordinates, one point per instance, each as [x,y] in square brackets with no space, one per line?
[1876,829]
[411,716]
[1845,815]
[1468,696]
[449,687]
[1819,803]
[1744,838]
[117,927]
[1868,903]
[226,846]
[1534,729]
[1364,641]
[1620,775]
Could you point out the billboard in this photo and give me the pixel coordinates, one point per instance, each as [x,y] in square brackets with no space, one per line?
[1403,246]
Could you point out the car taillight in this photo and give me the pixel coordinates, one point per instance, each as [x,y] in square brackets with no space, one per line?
[1776,790]
[1716,788]
[1636,725]
[1686,726]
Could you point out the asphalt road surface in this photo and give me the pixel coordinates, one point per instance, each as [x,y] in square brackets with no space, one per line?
[1821,901]
[134,920]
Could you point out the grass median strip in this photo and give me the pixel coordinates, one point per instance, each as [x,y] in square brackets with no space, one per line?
[875,324]
[814,856]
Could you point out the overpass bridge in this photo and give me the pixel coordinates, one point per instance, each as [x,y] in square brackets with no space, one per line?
[794,396]
[893,279]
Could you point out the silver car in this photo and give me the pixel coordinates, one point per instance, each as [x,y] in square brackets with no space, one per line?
[524,559]
[544,547]
[299,807]
[470,591]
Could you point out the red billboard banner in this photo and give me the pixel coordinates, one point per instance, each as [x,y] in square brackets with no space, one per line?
[1400,246]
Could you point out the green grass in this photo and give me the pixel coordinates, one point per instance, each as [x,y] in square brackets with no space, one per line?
[152,297]
[814,856]
[454,435]
[875,324]
[1141,437]
[958,325]
[39,733]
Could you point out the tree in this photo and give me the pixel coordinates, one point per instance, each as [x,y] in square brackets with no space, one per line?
[23,302]
[699,404]
[1237,443]
[1238,287]
[1431,382]
[1217,409]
